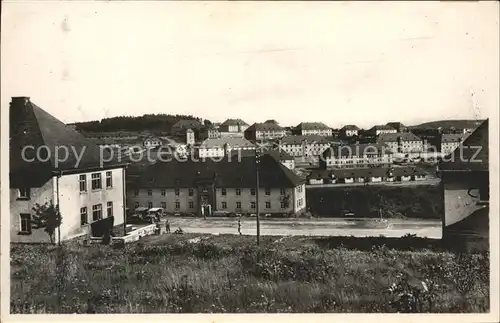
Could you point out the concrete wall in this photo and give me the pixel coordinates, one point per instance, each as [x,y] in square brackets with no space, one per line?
[299,199]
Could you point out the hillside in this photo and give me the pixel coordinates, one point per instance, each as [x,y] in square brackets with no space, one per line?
[459,124]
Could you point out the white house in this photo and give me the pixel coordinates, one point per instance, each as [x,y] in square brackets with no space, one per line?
[312,128]
[86,188]
[349,130]
[356,156]
[222,146]
[303,146]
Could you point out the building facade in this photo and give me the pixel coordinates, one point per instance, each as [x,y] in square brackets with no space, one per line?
[405,143]
[203,188]
[312,128]
[222,147]
[233,125]
[377,130]
[303,146]
[84,189]
[349,131]
[264,131]
[450,142]
[356,156]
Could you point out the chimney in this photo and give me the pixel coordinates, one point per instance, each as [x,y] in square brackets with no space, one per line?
[20,100]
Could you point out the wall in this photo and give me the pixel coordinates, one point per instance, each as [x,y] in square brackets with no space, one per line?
[156,198]
[300,203]
[246,198]
[71,200]
[39,195]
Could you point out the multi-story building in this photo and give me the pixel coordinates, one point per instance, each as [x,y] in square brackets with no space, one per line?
[233,125]
[85,188]
[208,132]
[312,128]
[205,187]
[303,146]
[356,156]
[283,157]
[349,131]
[450,142]
[398,126]
[264,131]
[365,175]
[403,142]
[223,146]
[377,130]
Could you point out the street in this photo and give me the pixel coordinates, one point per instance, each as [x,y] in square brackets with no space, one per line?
[312,227]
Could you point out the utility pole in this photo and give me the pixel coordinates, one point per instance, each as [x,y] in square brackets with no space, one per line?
[257,163]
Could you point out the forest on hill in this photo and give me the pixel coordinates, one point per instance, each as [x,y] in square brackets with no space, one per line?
[150,122]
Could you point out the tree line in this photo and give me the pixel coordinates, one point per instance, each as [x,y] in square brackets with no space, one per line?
[150,122]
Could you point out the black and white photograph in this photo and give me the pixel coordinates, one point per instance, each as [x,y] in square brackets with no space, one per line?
[250,157]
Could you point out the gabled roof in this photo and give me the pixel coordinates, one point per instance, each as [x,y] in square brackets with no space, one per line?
[381,127]
[298,139]
[350,127]
[472,154]
[394,137]
[395,125]
[234,122]
[312,126]
[264,127]
[32,126]
[225,173]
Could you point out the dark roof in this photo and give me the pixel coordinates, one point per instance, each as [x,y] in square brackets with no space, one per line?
[381,127]
[298,139]
[233,122]
[349,127]
[355,150]
[377,172]
[472,154]
[395,125]
[279,154]
[186,124]
[312,126]
[271,121]
[225,173]
[32,126]
[391,137]
[264,127]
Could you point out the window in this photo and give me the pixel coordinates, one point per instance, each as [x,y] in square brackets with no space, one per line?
[96,212]
[83,183]
[109,180]
[268,191]
[252,191]
[163,192]
[190,192]
[283,205]
[224,205]
[96,181]
[268,205]
[150,192]
[282,191]
[177,205]
[252,205]
[238,191]
[136,205]
[191,204]
[223,191]
[24,193]
[25,223]
[83,216]
[177,192]
[163,205]
[150,205]
[136,192]
[110,209]
[238,205]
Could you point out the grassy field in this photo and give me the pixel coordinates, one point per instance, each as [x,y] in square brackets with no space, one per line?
[174,273]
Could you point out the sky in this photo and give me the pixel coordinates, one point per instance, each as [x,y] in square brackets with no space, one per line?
[333,62]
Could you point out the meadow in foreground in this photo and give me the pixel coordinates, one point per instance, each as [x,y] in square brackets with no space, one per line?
[203,274]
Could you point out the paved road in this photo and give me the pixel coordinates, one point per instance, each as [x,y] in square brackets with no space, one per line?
[313,227]
[433,181]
